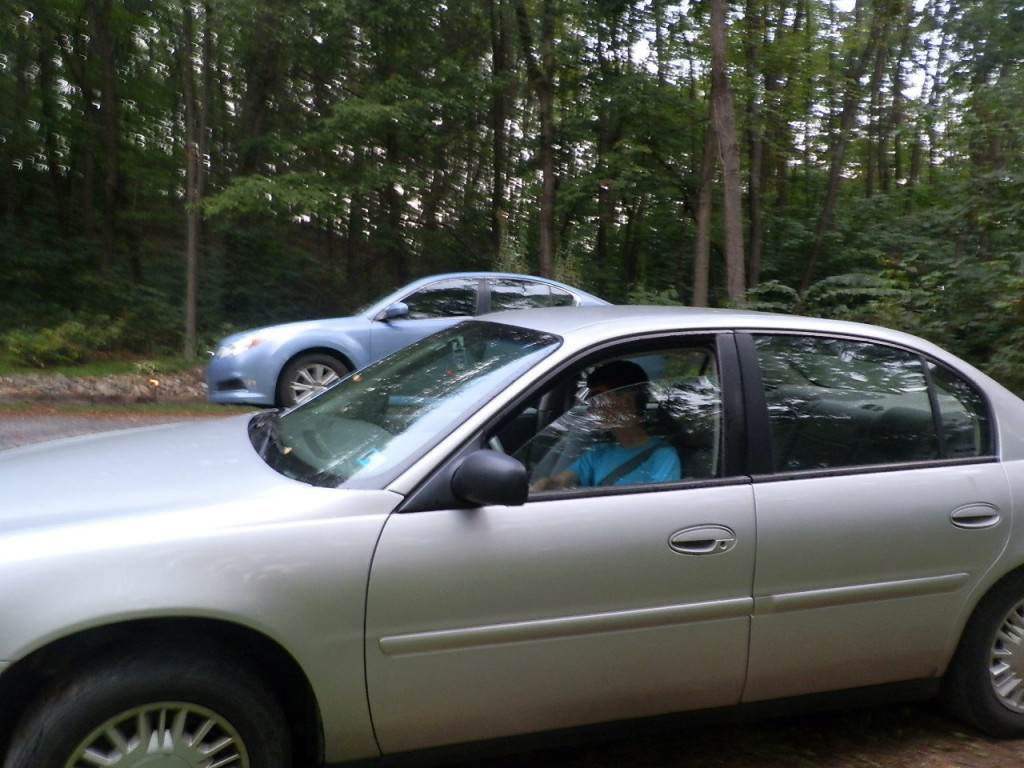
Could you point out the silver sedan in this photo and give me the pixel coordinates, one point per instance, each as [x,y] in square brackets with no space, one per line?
[535,520]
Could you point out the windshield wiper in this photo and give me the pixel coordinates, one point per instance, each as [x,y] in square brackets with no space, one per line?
[264,437]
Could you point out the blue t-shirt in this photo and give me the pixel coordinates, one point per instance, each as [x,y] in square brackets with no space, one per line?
[596,463]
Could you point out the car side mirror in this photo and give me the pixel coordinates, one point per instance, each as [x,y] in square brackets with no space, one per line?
[488,478]
[394,311]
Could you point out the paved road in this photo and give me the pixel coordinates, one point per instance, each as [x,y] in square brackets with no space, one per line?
[17,430]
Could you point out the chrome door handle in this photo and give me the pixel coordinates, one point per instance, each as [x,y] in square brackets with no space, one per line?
[703,540]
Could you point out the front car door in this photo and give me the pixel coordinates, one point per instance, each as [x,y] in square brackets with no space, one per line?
[432,307]
[880,508]
[584,605]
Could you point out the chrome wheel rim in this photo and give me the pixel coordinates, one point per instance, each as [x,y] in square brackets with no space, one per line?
[313,380]
[162,735]
[1006,661]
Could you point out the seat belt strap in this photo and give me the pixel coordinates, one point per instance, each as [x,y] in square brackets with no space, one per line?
[625,468]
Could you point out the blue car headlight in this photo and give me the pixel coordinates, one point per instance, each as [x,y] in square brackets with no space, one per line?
[238,346]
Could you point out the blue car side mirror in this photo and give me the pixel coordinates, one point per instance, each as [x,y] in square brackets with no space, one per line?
[393,312]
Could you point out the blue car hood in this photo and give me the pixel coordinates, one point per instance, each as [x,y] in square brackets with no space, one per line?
[286,331]
[197,467]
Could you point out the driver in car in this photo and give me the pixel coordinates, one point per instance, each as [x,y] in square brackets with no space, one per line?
[617,396]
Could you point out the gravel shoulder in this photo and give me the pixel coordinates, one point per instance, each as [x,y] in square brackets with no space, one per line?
[123,389]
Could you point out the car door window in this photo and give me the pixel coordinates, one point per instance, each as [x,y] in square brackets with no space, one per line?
[966,430]
[455,297]
[509,293]
[663,429]
[844,403]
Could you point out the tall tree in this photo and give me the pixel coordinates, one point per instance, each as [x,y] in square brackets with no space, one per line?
[502,94]
[702,255]
[104,105]
[724,118]
[870,31]
[196,70]
[539,55]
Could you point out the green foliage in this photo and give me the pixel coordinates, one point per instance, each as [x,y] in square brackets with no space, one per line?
[642,295]
[70,342]
[150,324]
[351,146]
[773,296]
[858,297]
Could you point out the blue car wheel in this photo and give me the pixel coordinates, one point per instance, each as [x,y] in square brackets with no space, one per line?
[308,375]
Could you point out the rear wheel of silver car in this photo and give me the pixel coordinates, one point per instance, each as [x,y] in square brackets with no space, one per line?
[158,713]
[308,375]
[985,681]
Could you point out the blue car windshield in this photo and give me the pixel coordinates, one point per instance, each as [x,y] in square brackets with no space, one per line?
[370,426]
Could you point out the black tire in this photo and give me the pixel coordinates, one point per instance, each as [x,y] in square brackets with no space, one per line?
[984,684]
[154,705]
[308,375]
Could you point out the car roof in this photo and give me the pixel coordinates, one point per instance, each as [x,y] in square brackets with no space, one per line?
[587,324]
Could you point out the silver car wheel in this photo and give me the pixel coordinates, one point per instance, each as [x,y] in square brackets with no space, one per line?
[308,375]
[162,735]
[1006,665]
[312,380]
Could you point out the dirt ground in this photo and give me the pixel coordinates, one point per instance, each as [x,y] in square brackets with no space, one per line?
[907,736]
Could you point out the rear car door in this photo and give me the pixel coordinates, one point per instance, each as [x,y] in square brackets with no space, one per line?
[582,606]
[880,506]
[516,293]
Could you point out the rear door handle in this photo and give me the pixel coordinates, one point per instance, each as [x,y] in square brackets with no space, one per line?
[975,516]
[703,540]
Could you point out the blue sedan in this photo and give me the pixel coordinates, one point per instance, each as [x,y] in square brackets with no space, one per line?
[282,365]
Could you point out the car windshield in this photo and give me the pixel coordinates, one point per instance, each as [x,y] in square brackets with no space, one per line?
[370,426]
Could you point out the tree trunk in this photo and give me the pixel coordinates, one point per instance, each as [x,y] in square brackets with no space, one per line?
[756,141]
[540,63]
[107,122]
[500,99]
[261,63]
[702,254]
[854,73]
[193,163]
[11,149]
[197,108]
[724,118]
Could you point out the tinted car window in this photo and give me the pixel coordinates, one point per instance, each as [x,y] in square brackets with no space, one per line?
[445,298]
[841,403]
[525,294]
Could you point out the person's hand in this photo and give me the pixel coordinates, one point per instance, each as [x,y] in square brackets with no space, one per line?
[566,479]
